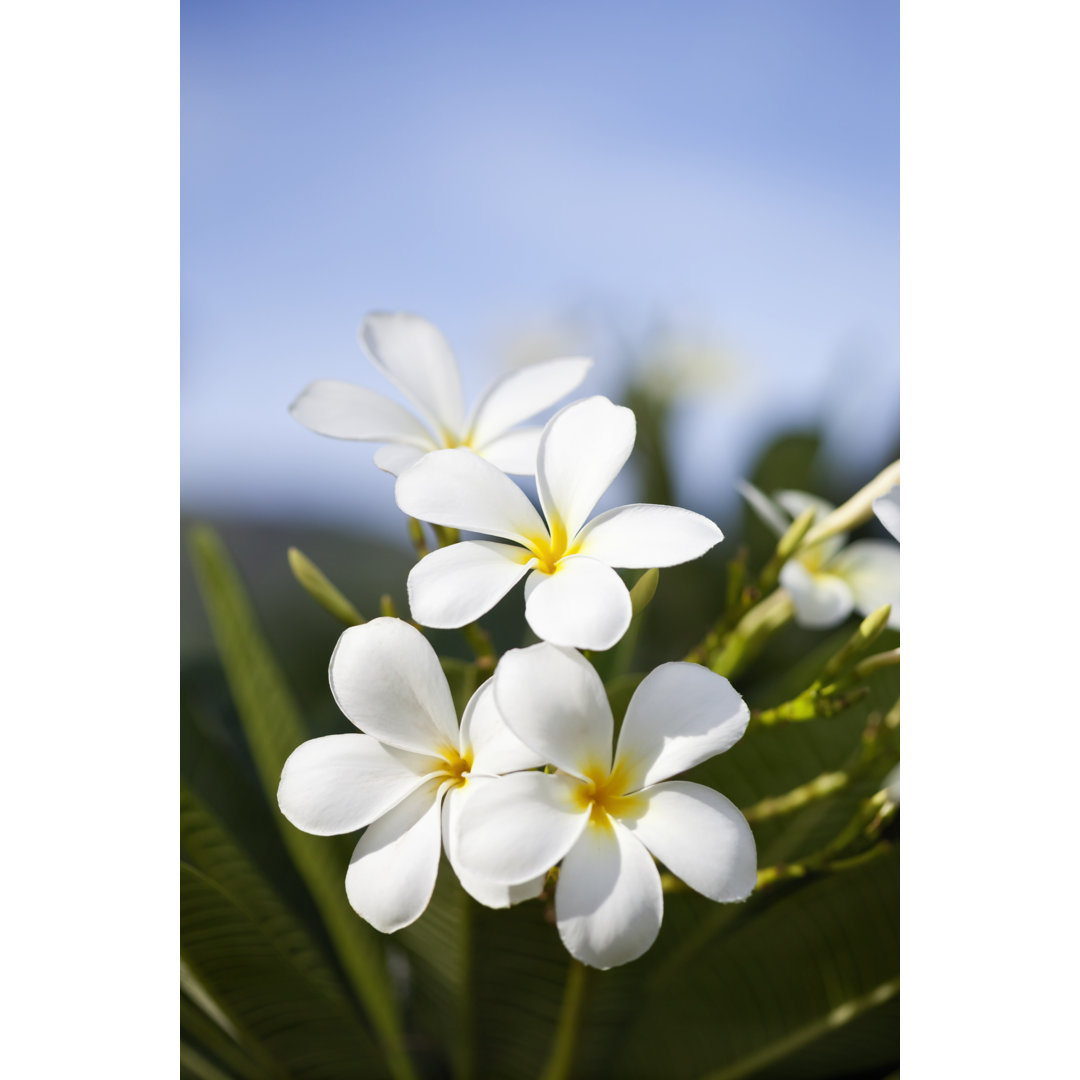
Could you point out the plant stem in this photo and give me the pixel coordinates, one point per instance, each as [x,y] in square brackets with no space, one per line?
[566,1033]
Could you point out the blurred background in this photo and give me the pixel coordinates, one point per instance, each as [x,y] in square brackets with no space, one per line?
[704,195]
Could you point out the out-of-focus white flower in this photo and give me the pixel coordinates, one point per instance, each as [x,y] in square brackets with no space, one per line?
[416,358]
[573,596]
[887,508]
[830,579]
[606,819]
[406,777]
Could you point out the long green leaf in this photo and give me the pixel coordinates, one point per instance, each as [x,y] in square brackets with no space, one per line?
[289,1021]
[273,730]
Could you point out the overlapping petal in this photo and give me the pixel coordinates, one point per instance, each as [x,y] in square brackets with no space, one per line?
[767,510]
[887,508]
[392,872]
[524,393]
[514,452]
[395,458]
[554,702]
[680,715]
[455,585]
[584,604]
[344,411]
[700,836]
[415,356]
[490,894]
[388,681]
[493,747]
[871,569]
[820,600]
[517,827]
[458,489]
[340,783]
[582,450]
[609,903]
[641,535]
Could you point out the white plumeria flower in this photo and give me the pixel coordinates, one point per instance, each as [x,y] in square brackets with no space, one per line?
[573,596]
[406,777]
[887,508]
[416,358]
[606,820]
[830,579]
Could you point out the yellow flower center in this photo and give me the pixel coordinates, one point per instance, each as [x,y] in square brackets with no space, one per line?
[457,767]
[550,549]
[603,794]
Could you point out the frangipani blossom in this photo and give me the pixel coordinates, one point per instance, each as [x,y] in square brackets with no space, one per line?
[416,358]
[606,819]
[830,579]
[887,508]
[406,777]
[573,596]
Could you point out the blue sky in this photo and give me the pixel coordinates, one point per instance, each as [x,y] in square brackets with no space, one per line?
[581,173]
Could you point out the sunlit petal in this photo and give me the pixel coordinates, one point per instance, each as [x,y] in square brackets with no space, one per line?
[414,355]
[517,827]
[700,836]
[515,452]
[463,491]
[582,450]
[388,681]
[554,701]
[455,585]
[871,569]
[584,604]
[680,715]
[345,411]
[492,746]
[392,872]
[524,393]
[608,903]
[641,535]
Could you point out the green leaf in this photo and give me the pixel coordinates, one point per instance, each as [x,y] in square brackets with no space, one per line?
[273,729]
[800,967]
[209,848]
[208,1037]
[287,1019]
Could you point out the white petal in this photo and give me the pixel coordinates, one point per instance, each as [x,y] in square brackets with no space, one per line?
[887,508]
[392,871]
[871,569]
[554,701]
[608,902]
[821,600]
[395,458]
[584,604]
[582,450]
[515,452]
[680,715]
[486,892]
[700,836]
[459,489]
[455,585]
[340,783]
[414,355]
[516,827]
[344,411]
[494,747]
[640,535]
[388,681]
[524,393]
[769,512]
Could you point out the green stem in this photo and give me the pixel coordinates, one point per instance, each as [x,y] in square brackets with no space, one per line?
[566,1033]
[480,642]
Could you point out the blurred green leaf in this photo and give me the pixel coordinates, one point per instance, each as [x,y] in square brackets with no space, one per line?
[296,1028]
[273,729]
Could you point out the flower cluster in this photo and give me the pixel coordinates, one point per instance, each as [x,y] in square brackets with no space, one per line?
[529,782]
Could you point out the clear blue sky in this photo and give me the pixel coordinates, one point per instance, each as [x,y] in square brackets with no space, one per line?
[729,169]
